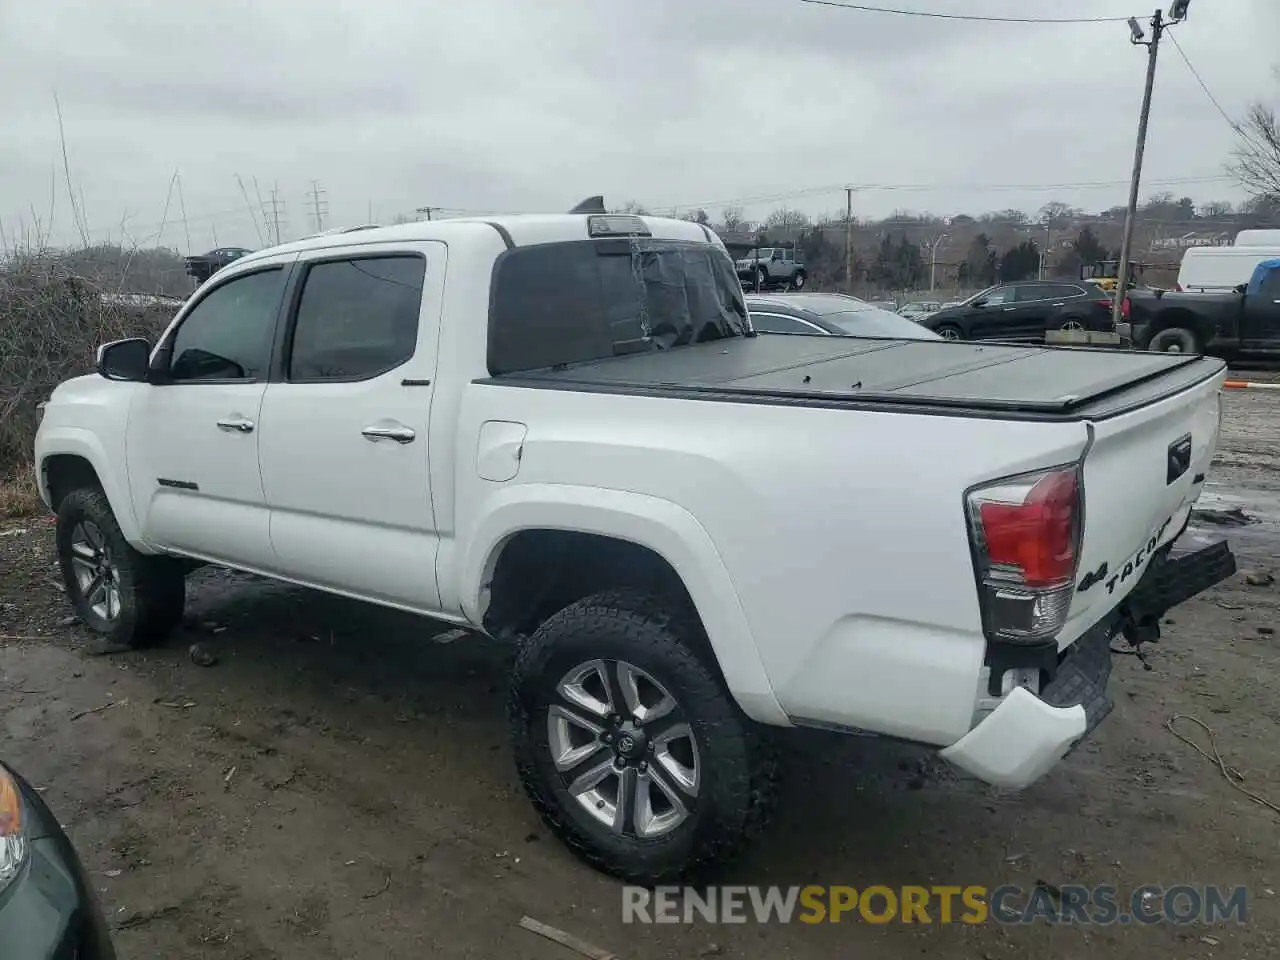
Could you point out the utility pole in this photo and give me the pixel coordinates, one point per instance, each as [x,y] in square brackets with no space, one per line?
[1177,13]
[1044,254]
[318,207]
[426,211]
[933,259]
[848,240]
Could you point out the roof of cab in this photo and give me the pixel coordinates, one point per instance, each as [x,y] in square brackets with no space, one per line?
[516,230]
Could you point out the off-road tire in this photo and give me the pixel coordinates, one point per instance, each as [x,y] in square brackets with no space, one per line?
[761,279]
[1174,340]
[798,280]
[152,589]
[739,759]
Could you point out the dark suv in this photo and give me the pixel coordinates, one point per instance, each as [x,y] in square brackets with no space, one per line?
[1024,311]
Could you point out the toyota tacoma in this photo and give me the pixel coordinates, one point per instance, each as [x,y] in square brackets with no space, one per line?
[562,432]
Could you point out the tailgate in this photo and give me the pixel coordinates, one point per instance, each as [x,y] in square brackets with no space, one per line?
[1142,474]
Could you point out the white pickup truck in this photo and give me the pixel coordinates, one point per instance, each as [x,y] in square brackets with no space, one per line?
[562,431]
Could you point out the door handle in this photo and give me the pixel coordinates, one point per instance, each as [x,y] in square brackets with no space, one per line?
[1010,309]
[238,424]
[400,434]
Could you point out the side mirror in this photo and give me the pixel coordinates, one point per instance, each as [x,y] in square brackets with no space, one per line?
[1242,288]
[125,359]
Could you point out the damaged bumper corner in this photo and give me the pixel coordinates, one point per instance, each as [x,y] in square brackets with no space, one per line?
[1027,735]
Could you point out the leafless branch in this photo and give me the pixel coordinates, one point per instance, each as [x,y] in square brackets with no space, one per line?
[66,170]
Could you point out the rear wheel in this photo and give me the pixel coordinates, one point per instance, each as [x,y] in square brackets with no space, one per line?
[797,282]
[949,331]
[1174,340]
[628,743]
[129,598]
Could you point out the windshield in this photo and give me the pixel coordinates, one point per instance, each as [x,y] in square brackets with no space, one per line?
[981,293]
[764,253]
[870,322]
[560,303]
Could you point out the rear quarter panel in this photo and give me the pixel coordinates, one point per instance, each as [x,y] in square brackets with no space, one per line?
[843,532]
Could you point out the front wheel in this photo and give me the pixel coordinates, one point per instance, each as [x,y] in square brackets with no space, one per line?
[762,278]
[628,743]
[131,599]
[949,331]
[1174,340]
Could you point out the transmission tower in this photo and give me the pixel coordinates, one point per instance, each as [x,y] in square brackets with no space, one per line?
[319,207]
[273,211]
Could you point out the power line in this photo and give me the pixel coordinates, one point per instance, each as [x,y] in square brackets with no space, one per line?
[1204,86]
[909,187]
[933,15]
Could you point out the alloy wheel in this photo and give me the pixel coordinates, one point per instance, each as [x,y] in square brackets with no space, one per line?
[624,749]
[96,572]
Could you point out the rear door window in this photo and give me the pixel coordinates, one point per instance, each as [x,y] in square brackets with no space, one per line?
[562,303]
[357,318]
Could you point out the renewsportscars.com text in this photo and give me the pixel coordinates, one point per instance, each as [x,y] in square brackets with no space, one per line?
[1008,904]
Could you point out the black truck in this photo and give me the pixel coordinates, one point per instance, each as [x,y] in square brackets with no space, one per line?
[1241,322]
[205,265]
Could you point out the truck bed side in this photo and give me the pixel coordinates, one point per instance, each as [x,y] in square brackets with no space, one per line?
[843,533]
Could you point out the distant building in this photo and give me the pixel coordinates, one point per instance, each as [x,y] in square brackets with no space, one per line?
[1192,239]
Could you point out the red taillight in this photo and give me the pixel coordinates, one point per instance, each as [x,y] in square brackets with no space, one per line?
[1124,308]
[1038,536]
[1026,539]
[1177,287]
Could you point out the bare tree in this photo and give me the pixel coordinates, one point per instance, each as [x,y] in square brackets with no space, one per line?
[1056,213]
[731,220]
[786,219]
[1257,155]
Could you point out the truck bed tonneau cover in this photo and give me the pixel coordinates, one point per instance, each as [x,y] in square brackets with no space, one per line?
[981,379]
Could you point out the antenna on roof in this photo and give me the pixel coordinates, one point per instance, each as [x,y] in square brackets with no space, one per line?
[591,205]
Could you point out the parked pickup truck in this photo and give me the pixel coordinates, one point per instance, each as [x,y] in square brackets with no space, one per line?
[562,432]
[1241,322]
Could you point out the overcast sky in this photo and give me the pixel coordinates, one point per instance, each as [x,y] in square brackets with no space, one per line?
[527,105]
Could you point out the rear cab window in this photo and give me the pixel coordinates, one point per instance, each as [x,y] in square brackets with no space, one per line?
[562,303]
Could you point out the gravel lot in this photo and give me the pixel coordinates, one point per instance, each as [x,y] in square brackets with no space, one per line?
[338,784]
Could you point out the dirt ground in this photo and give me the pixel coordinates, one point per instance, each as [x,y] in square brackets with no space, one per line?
[338,784]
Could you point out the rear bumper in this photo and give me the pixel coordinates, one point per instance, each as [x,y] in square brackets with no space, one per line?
[1027,735]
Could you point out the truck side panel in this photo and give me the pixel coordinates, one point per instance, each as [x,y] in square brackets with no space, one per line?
[854,572]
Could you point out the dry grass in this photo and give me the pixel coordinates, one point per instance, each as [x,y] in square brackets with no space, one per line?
[19,496]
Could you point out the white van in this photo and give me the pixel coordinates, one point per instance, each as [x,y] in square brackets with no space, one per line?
[1221,268]
[1257,238]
